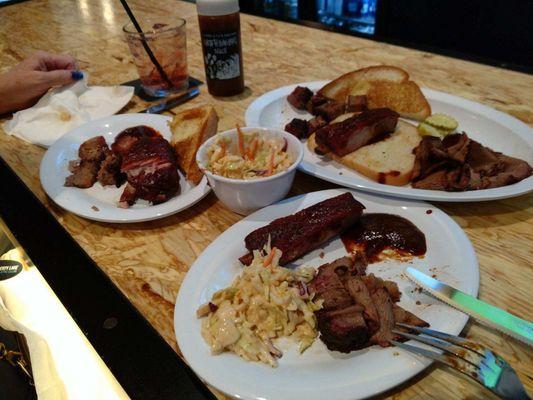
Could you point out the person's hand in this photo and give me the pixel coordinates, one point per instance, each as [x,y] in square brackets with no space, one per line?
[26,82]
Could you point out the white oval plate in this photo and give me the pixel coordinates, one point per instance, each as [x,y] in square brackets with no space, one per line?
[490,127]
[319,374]
[100,203]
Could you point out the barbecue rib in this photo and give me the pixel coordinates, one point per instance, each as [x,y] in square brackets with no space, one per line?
[350,134]
[149,164]
[358,310]
[297,234]
[299,97]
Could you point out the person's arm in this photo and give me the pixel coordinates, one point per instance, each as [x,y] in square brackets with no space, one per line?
[25,83]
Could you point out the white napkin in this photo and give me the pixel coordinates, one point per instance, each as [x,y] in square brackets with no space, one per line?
[66,108]
[64,364]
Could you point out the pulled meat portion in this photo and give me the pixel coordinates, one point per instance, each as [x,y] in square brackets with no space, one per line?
[298,127]
[349,135]
[83,174]
[139,154]
[297,234]
[109,173]
[323,108]
[85,169]
[330,110]
[299,97]
[459,163]
[359,310]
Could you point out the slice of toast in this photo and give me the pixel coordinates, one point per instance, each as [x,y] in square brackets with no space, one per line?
[388,161]
[190,128]
[384,86]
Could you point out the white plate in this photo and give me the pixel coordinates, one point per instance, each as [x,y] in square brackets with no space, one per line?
[99,203]
[490,127]
[319,374]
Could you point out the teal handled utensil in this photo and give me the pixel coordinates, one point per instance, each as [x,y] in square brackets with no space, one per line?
[490,315]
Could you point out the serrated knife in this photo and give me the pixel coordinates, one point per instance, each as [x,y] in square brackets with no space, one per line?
[490,315]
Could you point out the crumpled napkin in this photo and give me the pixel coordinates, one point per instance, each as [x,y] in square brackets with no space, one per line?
[64,364]
[66,108]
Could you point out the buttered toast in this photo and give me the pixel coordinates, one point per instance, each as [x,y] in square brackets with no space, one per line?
[388,161]
[190,128]
[383,86]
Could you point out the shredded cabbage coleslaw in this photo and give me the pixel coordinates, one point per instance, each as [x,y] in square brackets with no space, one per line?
[253,156]
[263,303]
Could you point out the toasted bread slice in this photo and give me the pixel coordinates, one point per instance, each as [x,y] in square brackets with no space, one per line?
[190,128]
[388,161]
[384,86]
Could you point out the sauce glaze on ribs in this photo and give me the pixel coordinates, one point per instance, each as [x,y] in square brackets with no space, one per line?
[349,135]
[297,234]
[149,164]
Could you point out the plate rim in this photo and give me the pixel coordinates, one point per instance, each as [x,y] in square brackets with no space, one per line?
[187,288]
[524,131]
[198,192]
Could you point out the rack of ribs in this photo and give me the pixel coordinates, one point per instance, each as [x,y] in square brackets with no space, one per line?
[350,134]
[298,234]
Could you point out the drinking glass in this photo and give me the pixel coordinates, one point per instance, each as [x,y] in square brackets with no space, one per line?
[166,38]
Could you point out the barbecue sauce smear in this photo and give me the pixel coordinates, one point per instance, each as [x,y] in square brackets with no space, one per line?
[374,233]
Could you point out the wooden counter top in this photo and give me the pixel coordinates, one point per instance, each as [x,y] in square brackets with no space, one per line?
[148,261]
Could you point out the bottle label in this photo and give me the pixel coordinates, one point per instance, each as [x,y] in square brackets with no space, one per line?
[221,55]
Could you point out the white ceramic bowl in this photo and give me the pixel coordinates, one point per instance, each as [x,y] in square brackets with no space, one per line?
[246,196]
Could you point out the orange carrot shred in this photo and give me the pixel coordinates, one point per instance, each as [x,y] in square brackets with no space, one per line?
[267,261]
[223,148]
[240,139]
[252,149]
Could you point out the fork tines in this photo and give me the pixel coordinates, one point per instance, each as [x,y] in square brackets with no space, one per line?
[459,353]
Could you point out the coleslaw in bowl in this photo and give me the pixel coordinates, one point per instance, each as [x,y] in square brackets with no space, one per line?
[252,156]
[244,184]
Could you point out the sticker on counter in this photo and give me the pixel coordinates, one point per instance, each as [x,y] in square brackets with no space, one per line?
[9,268]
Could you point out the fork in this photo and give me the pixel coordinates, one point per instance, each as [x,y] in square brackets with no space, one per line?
[477,362]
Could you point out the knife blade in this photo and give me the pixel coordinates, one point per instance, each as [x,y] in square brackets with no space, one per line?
[172,102]
[488,314]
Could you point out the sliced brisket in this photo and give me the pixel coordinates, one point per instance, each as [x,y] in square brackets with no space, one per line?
[459,163]
[361,295]
[344,329]
[358,309]
[383,303]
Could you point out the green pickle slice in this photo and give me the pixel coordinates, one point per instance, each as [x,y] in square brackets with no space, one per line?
[429,130]
[442,121]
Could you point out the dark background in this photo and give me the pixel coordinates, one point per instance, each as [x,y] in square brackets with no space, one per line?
[496,32]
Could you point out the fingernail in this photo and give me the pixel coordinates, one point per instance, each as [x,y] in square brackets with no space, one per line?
[76,75]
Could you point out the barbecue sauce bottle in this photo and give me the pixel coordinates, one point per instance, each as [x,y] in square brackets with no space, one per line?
[220,29]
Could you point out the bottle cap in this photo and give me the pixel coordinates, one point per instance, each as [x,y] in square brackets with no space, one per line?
[214,8]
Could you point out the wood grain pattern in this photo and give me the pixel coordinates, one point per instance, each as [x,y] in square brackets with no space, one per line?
[148,261]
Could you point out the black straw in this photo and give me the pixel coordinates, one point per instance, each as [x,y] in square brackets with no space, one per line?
[144,43]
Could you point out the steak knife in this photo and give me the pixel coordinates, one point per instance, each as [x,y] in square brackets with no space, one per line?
[490,315]
[172,102]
